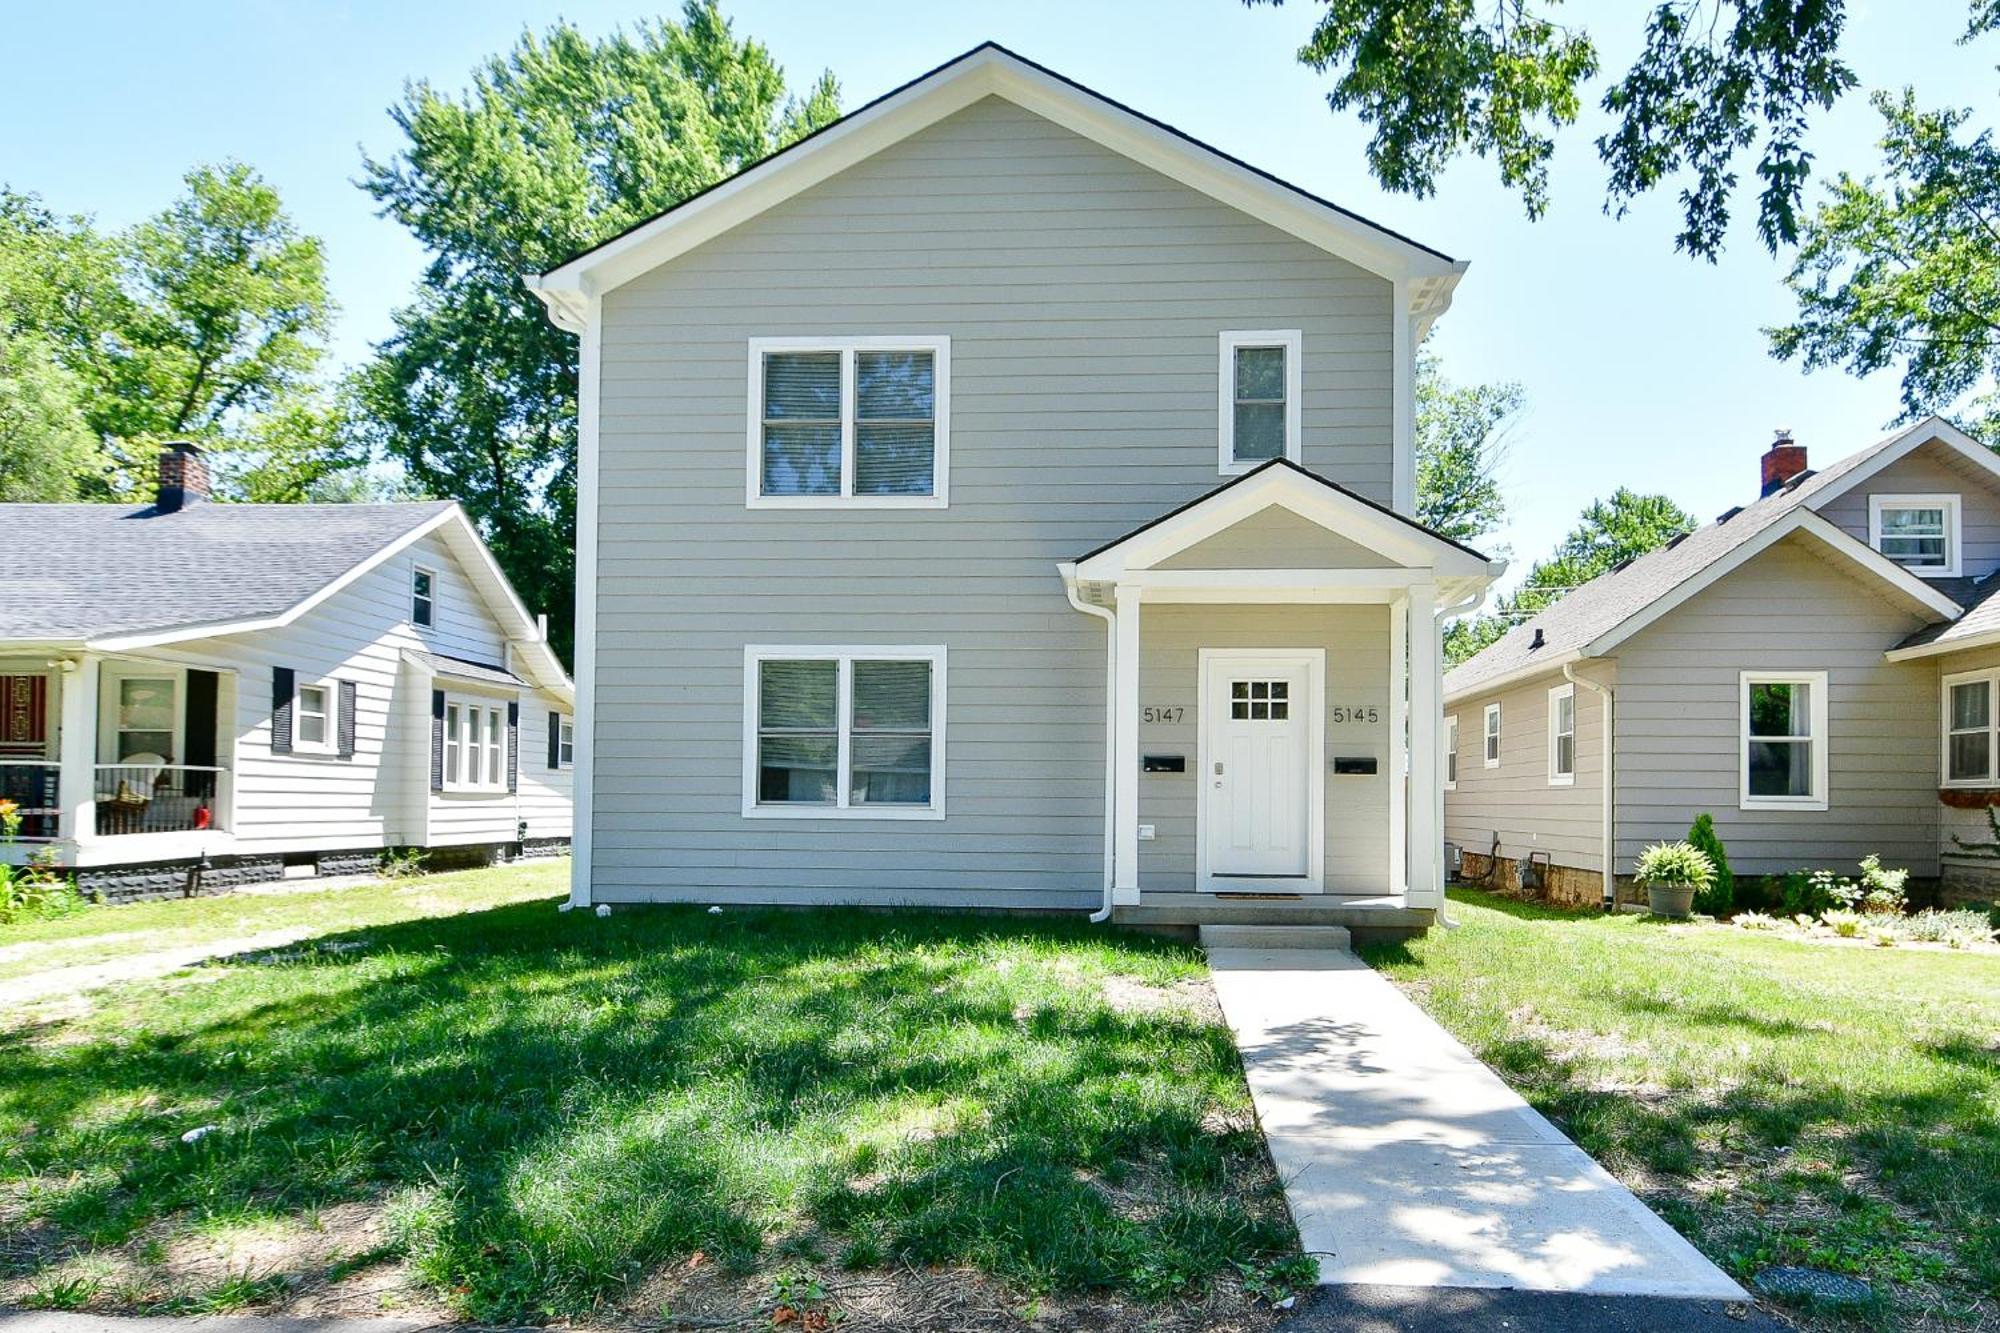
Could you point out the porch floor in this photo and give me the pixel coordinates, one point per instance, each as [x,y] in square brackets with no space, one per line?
[1365,917]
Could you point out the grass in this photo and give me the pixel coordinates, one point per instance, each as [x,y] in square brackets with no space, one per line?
[100,934]
[1779,1102]
[547,1108]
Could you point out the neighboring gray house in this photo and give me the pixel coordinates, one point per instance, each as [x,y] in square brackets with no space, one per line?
[265,690]
[999,499]
[1816,669]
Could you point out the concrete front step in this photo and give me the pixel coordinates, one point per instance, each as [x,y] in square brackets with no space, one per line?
[1274,937]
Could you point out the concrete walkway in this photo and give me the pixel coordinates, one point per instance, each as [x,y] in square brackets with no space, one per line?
[1409,1163]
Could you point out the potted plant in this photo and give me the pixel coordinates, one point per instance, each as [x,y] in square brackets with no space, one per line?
[1673,872]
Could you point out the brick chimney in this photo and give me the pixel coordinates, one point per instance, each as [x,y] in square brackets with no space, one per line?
[183,477]
[1782,461]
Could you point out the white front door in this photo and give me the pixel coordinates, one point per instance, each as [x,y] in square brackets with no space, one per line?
[1260,760]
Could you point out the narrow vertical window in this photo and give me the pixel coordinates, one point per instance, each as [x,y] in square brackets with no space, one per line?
[566,743]
[1492,751]
[1451,753]
[452,744]
[421,604]
[1562,735]
[1261,414]
[312,718]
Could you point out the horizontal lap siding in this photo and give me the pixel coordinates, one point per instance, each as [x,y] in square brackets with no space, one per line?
[1515,800]
[1925,471]
[1679,720]
[1083,296]
[1356,641]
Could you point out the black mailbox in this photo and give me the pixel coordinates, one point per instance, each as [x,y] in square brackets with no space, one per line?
[1354,765]
[1163,763]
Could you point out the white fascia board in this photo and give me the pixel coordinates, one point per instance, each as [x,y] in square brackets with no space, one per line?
[1507,680]
[1931,430]
[216,629]
[988,71]
[525,631]
[1803,521]
[1941,647]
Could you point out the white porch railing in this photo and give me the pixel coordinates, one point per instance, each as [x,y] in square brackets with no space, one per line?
[160,798]
[35,786]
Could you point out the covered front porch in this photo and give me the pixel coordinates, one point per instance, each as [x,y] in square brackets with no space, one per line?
[1276,730]
[110,759]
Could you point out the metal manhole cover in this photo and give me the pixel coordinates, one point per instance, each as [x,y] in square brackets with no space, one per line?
[1814,1284]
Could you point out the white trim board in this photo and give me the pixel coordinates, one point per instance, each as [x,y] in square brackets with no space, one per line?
[1315,876]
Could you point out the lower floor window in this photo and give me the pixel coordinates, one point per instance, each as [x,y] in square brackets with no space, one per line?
[1784,739]
[475,746]
[1969,728]
[831,730]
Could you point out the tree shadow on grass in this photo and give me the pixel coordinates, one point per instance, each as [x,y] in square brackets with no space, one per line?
[1522,910]
[561,1103]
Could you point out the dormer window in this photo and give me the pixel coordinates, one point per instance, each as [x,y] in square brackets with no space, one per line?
[422,605]
[1918,532]
[1260,380]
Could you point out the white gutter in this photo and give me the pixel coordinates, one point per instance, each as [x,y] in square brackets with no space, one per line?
[1464,606]
[1110,619]
[1608,852]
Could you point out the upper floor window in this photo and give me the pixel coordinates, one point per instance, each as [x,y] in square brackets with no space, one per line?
[861,422]
[422,581]
[1918,532]
[1562,736]
[1784,740]
[1260,379]
[1493,735]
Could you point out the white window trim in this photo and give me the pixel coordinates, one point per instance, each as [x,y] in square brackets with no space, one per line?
[565,726]
[1559,779]
[937,344]
[845,655]
[331,745]
[1293,341]
[1449,767]
[1818,799]
[415,570]
[1953,530]
[476,706]
[1992,679]
[1489,736]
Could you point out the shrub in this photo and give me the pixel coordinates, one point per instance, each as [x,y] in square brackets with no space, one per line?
[401,862]
[1811,892]
[1674,865]
[35,889]
[1966,926]
[1720,896]
[1882,890]
[1844,922]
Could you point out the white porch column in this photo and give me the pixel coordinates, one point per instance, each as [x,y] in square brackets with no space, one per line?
[1125,712]
[77,752]
[1398,868]
[1426,741]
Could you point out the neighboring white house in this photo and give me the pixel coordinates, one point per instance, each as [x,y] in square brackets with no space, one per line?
[247,690]
[999,499]
[1816,669]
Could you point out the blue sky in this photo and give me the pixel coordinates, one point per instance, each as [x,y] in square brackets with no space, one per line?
[1641,367]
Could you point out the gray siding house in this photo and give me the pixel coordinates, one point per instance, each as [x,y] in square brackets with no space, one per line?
[1000,500]
[259,691]
[1817,669]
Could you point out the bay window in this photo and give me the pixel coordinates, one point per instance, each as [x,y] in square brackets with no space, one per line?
[475,745]
[844,732]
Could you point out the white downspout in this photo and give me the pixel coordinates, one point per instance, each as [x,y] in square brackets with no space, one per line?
[1104,613]
[1610,846]
[1464,606]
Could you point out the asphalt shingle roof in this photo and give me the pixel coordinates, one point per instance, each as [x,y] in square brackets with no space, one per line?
[1608,600]
[464,668]
[83,571]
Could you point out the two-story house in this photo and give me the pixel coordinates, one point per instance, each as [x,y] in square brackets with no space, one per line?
[196,695]
[999,499]
[1816,669]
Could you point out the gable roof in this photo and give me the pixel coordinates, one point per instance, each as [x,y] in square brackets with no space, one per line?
[116,578]
[1615,605]
[992,70]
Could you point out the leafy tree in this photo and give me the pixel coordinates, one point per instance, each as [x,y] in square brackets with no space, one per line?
[1609,533]
[45,444]
[1907,269]
[558,144]
[1711,82]
[1461,431]
[206,322]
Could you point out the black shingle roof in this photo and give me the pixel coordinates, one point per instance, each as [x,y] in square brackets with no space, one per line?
[82,571]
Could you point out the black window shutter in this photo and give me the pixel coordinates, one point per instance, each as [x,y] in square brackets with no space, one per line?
[281,710]
[513,745]
[555,741]
[198,746]
[347,694]
[437,740]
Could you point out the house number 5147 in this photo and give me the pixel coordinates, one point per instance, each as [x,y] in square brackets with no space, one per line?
[1168,713]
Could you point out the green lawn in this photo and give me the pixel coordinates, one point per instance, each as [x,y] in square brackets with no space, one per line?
[1777,1101]
[541,1112]
[99,934]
